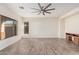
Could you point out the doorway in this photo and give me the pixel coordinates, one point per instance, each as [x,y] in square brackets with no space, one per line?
[26,27]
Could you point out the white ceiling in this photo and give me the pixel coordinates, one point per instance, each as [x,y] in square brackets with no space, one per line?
[61,9]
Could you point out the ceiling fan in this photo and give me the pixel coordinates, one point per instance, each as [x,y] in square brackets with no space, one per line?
[43,9]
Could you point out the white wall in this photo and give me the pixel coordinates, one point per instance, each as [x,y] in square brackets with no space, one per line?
[61,31]
[7,12]
[72,24]
[42,27]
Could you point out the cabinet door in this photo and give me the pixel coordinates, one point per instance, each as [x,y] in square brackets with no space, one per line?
[76,40]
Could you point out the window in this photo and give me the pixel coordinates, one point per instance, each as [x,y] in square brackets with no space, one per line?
[26,27]
[7,27]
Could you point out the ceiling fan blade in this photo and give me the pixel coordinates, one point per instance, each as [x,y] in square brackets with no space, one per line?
[39,6]
[48,6]
[35,9]
[50,9]
[48,12]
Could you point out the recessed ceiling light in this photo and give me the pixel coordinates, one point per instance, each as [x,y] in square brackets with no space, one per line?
[21,7]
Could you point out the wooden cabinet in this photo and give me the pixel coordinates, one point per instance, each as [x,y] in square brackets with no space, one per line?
[74,38]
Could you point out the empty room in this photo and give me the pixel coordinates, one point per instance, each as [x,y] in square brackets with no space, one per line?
[39,28]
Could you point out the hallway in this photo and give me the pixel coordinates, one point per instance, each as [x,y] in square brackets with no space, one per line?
[41,46]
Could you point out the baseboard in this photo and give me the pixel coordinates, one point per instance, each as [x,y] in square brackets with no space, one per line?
[41,37]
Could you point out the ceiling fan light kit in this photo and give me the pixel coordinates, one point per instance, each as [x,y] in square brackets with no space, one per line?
[43,9]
